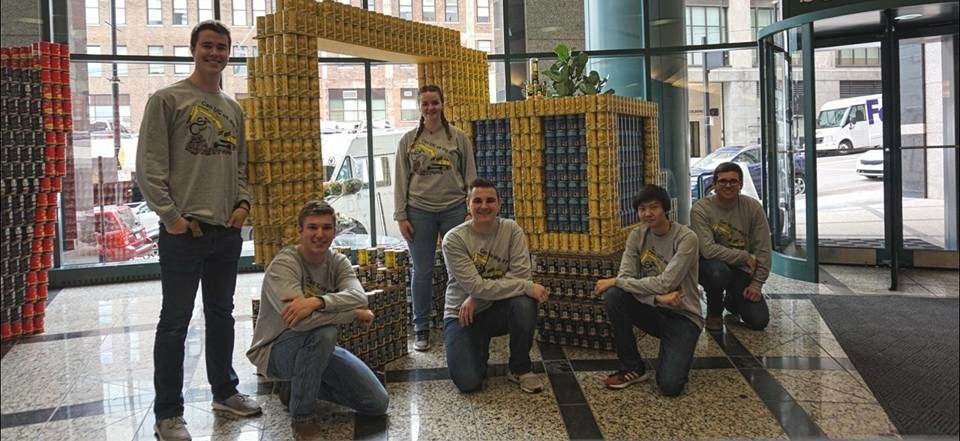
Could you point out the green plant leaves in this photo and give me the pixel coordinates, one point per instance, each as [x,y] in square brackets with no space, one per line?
[568,76]
[562,51]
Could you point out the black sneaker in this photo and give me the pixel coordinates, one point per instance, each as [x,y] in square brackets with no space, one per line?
[421,341]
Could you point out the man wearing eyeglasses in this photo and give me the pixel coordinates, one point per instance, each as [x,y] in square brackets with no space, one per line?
[734,251]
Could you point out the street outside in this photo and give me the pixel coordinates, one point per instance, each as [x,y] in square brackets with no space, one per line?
[850,206]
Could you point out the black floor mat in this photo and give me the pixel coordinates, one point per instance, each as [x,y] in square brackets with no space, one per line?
[906,349]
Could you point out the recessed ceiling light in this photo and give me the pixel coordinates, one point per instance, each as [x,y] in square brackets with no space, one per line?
[907,17]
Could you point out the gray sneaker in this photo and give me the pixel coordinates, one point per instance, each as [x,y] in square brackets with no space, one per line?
[238,404]
[171,429]
[421,341]
[529,382]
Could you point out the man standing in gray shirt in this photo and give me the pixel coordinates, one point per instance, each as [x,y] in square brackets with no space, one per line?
[490,293]
[191,168]
[656,291]
[734,251]
[308,290]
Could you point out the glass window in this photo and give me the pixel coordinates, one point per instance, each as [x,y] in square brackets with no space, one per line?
[121,67]
[259,8]
[350,105]
[451,11]
[429,10]
[705,22]
[94,69]
[204,10]
[483,11]
[409,108]
[155,69]
[92,11]
[371,5]
[179,12]
[154,12]
[240,51]
[181,68]
[101,115]
[485,45]
[121,12]
[864,56]
[405,10]
[240,12]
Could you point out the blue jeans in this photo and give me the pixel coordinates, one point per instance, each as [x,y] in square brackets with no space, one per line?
[716,276]
[426,227]
[318,369]
[468,348]
[185,261]
[678,338]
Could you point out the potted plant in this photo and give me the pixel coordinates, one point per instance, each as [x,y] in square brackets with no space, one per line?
[568,75]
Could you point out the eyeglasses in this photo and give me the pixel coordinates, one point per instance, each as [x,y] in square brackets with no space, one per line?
[728,182]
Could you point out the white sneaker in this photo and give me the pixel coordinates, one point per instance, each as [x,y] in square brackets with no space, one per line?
[172,429]
[529,382]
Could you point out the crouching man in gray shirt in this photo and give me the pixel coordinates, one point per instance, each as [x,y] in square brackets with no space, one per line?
[308,290]
[656,291]
[490,293]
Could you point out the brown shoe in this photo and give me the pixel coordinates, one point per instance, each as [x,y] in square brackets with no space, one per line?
[303,430]
[714,323]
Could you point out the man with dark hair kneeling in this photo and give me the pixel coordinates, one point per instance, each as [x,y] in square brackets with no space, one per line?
[308,290]
[656,291]
[490,293]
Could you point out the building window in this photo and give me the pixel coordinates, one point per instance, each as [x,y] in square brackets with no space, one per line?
[121,12]
[154,12]
[862,56]
[760,18]
[708,22]
[429,10]
[351,105]
[92,11]
[204,10]
[483,11]
[451,11]
[181,68]
[240,69]
[409,108]
[485,45]
[94,69]
[259,8]
[155,69]
[239,12]
[101,110]
[179,12]
[405,11]
[371,5]
[121,67]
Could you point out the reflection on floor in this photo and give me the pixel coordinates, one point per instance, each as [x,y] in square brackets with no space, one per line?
[90,377]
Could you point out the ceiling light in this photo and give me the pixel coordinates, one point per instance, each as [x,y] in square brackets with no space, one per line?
[905,17]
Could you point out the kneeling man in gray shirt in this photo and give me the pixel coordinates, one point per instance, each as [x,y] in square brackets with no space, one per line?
[490,293]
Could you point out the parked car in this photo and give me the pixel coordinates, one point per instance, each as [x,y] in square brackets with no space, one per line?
[123,237]
[870,164]
[148,218]
[748,155]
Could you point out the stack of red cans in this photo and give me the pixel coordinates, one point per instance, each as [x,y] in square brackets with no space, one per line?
[37,121]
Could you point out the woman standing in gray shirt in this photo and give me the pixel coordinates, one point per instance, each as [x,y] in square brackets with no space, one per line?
[434,165]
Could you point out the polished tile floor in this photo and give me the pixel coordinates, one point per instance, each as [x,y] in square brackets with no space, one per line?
[89,377]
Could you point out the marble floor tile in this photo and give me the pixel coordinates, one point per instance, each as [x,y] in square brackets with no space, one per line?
[703,384]
[850,420]
[836,386]
[432,358]
[113,393]
[203,422]
[770,343]
[429,427]
[337,421]
[38,375]
[112,427]
[578,353]
[425,397]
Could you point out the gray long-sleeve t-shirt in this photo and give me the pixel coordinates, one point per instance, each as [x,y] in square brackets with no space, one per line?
[734,233]
[290,276]
[653,265]
[487,267]
[433,173]
[191,155]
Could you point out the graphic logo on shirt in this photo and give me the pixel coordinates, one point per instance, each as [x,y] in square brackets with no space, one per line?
[481,259]
[729,236]
[206,123]
[313,289]
[429,159]
[651,263]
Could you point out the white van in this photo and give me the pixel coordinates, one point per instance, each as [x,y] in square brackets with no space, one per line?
[347,177]
[850,123]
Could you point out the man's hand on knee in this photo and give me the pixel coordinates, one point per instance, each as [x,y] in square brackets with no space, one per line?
[467,309]
[752,294]
[539,293]
[603,285]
